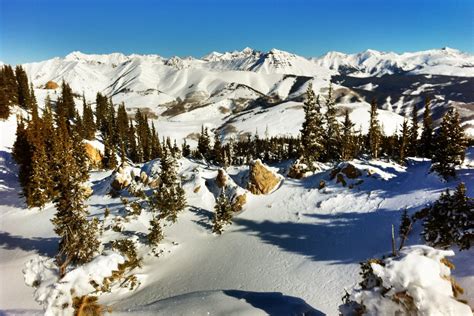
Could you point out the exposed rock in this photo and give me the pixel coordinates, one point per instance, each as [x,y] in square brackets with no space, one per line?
[94,155]
[196,189]
[51,85]
[143,177]
[296,171]
[221,178]
[261,179]
[121,179]
[322,184]
[351,171]
[239,202]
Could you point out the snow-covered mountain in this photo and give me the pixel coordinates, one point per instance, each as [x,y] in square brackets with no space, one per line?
[219,87]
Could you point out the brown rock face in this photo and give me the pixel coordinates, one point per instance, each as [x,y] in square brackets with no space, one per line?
[296,172]
[261,180]
[51,85]
[94,155]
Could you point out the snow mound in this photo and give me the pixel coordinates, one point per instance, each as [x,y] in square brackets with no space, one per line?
[417,282]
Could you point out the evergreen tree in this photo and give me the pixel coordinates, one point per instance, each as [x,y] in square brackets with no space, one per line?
[79,240]
[204,147]
[155,235]
[66,106]
[121,130]
[24,96]
[185,149]
[222,213]
[312,132]
[332,133]
[413,133]
[22,153]
[133,152]
[375,132]
[88,123]
[169,199]
[427,139]
[404,139]
[450,220]
[217,150]
[450,144]
[8,90]
[347,147]
[101,112]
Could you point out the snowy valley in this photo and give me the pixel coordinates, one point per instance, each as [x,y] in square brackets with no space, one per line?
[297,236]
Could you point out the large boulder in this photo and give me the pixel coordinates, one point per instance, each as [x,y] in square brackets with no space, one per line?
[262,180]
[346,173]
[93,155]
[122,178]
[51,85]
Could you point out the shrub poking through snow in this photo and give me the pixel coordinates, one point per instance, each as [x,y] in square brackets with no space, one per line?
[155,236]
[223,213]
[450,220]
[417,282]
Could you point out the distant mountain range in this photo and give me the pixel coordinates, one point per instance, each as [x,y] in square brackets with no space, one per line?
[220,89]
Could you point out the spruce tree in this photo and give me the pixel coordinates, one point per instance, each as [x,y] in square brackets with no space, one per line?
[375,132]
[88,123]
[404,141]
[222,213]
[79,241]
[450,145]
[312,132]
[66,104]
[347,142]
[8,90]
[413,133]
[217,150]
[427,138]
[185,149]
[24,95]
[132,146]
[101,110]
[155,235]
[204,147]
[169,199]
[22,153]
[332,132]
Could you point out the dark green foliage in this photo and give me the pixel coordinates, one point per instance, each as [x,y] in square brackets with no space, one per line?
[65,106]
[155,235]
[185,149]
[332,137]
[169,199]
[217,151]
[312,132]
[204,143]
[222,213]
[450,220]
[79,240]
[89,127]
[427,138]
[403,144]
[348,148]
[24,93]
[374,137]
[101,110]
[413,133]
[450,145]
[8,90]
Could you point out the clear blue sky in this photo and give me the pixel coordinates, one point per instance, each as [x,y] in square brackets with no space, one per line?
[33,30]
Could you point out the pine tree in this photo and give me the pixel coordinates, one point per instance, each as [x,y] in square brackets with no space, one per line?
[347,142]
[132,146]
[312,132]
[8,90]
[404,139]
[185,149]
[121,130]
[450,144]
[79,240]
[155,235]
[332,133]
[156,151]
[222,213]
[450,220]
[217,150]
[66,104]
[22,153]
[169,199]
[204,147]
[88,123]
[24,96]
[413,133]
[375,133]
[427,138]
[101,110]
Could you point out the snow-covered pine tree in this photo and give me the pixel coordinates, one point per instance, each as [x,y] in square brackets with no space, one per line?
[312,132]
[450,145]
[375,133]
[450,220]
[169,198]
[79,241]
[427,138]
[222,213]
[332,132]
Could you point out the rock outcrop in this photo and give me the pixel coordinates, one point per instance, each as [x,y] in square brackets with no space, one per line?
[51,85]
[262,180]
[345,174]
[93,155]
